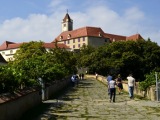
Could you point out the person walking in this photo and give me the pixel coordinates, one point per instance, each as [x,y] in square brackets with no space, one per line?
[109,78]
[73,80]
[131,85]
[82,76]
[96,75]
[112,87]
[119,84]
[77,80]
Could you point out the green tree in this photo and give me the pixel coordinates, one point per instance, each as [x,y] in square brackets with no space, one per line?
[32,61]
[7,80]
[85,58]
[123,57]
[63,57]
[149,80]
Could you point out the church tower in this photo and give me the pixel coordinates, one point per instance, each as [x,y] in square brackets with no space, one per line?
[67,23]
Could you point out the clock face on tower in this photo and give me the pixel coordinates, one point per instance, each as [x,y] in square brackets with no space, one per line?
[64,27]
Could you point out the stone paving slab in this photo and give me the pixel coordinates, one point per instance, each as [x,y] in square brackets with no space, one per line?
[90,101]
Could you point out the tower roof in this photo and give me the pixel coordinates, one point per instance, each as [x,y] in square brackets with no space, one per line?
[67,18]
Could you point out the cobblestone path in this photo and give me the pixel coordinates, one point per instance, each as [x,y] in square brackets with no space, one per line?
[90,101]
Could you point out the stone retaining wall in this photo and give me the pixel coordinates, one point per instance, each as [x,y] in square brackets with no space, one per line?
[149,93]
[51,90]
[14,109]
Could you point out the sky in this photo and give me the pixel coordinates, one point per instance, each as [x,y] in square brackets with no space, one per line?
[35,20]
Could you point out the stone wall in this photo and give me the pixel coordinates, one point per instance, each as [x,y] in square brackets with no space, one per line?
[53,89]
[13,109]
[149,93]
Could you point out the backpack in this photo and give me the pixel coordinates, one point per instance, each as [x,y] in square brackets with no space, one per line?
[73,78]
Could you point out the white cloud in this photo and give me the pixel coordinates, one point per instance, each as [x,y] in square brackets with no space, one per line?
[109,20]
[35,27]
[58,6]
[55,3]
[47,27]
[134,14]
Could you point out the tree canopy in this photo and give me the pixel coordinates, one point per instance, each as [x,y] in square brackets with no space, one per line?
[124,57]
[32,61]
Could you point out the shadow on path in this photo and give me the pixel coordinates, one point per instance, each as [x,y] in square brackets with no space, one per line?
[54,102]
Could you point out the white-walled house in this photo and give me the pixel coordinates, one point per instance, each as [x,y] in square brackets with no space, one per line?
[8,49]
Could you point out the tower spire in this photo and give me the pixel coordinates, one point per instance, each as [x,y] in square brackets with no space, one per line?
[67,23]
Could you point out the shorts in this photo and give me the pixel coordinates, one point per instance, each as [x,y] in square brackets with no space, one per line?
[120,85]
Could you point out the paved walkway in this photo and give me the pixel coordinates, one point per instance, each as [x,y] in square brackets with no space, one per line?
[90,101]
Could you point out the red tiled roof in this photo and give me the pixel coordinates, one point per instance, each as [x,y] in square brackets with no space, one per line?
[114,37]
[94,32]
[15,45]
[10,45]
[134,37]
[84,31]
[53,45]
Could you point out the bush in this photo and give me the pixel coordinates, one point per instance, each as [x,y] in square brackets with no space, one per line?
[149,81]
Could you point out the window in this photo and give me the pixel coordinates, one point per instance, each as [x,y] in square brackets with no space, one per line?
[106,40]
[64,42]
[73,46]
[10,59]
[11,51]
[83,38]
[69,36]
[64,25]
[61,37]
[68,41]
[78,39]
[79,45]
[73,40]
[100,35]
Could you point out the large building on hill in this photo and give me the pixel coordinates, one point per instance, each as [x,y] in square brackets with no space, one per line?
[8,49]
[93,36]
[71,39]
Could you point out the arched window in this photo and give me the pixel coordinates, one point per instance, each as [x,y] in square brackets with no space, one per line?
[69,36]
[61,37]
[100,35]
